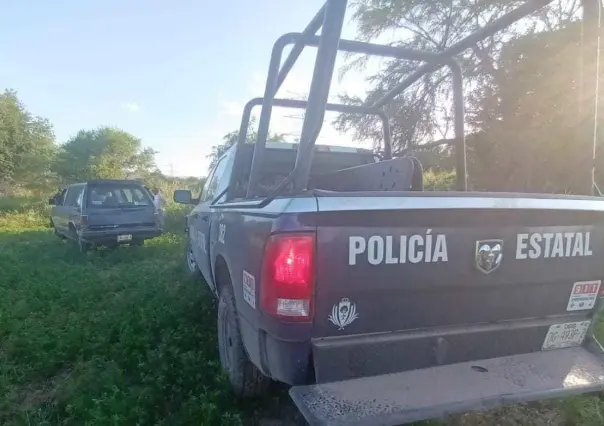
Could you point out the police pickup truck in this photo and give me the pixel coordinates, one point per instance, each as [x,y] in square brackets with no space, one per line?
[377,301]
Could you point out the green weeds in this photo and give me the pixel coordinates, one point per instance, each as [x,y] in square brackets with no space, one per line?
[121,337]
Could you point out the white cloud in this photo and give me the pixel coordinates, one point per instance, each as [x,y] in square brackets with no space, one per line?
[132,107]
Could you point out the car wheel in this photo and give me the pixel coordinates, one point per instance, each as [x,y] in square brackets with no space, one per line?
[83,246]
[245,378]
[137,243]
[191,264]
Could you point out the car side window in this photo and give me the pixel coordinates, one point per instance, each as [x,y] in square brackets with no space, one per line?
[72,196]
[224,178]
[212,186]
[206,186]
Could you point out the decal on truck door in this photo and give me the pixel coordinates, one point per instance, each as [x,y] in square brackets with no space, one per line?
[583,295]
[221,232]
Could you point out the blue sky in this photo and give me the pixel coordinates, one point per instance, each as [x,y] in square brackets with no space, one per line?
[176,74]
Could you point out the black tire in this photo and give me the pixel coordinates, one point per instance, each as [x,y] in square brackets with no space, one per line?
[81,245]
[191,266]
[137,243]
[245,378]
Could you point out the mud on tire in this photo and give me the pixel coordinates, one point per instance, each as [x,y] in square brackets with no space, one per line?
[245,379]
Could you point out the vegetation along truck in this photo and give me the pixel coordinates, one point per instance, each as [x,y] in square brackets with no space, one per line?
[377,302]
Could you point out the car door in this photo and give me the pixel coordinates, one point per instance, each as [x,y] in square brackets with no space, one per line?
[56,213]
[72,207]
[200,221]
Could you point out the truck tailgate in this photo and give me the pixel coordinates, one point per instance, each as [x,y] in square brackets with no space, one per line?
[398,398]
[409,288]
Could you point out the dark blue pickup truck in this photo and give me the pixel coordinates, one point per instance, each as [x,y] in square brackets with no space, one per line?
[379,302]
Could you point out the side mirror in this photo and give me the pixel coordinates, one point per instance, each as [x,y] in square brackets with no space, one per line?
[183,196]
[52,201]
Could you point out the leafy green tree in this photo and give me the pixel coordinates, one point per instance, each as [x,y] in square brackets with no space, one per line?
[537,132]
[104,153]
[423,112]
[27,145]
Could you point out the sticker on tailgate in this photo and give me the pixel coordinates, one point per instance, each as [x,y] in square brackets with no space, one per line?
[565,335]
[583,296]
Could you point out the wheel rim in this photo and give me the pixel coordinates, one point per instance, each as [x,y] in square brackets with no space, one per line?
[191,260]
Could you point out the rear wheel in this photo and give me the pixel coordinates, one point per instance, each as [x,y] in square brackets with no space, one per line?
[83,246]
[245,378]
[80,244]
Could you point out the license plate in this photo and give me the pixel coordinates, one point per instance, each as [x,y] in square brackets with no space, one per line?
[122,238]
[565,335]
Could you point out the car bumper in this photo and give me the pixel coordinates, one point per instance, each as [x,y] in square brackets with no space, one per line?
[110,236]
[394,399]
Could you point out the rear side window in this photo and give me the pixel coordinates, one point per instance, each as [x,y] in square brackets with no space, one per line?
[72,197]
[116,195]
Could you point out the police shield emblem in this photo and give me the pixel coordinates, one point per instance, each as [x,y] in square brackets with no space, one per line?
[489,255]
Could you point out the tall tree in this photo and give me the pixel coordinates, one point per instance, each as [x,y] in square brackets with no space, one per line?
[533,137]
[423,111]
[26,144]
[104,153]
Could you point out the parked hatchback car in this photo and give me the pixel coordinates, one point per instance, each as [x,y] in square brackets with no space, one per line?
[104,213]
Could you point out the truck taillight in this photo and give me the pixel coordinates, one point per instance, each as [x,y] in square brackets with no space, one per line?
[287,287]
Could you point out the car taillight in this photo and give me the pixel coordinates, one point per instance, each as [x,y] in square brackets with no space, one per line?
[84,221]
[287,285]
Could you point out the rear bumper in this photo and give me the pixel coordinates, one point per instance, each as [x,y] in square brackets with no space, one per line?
[284,361]
[355,356]
[398,398]
[107,236]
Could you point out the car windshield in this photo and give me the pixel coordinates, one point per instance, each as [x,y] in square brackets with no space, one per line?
[118,195]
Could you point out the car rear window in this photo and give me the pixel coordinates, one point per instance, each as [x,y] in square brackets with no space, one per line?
[117,195]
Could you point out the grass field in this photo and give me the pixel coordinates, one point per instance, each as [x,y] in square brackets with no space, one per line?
[121,337]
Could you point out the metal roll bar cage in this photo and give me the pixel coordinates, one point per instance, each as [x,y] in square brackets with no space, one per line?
[294,103]
[330,19]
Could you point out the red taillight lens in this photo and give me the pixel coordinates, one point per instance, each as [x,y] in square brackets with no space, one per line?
[84,221]
[288,276]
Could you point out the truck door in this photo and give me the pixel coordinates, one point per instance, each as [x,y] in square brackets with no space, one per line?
[201,220]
